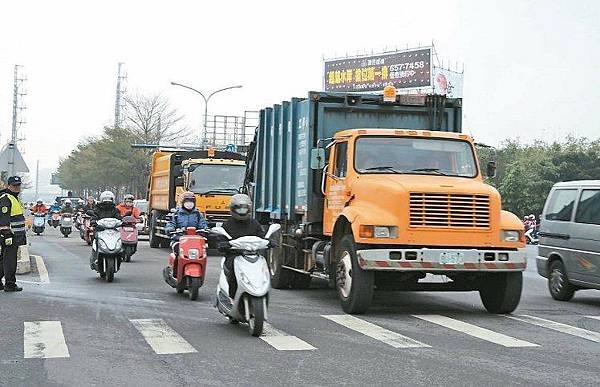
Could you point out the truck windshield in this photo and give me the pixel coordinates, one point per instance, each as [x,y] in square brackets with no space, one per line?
[216,178]
[408,155]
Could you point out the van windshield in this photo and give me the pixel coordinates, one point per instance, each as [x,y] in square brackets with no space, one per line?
[388,154]
[216,178]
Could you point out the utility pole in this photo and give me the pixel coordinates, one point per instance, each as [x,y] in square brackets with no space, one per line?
[120,96]
[18,108]
[37,179]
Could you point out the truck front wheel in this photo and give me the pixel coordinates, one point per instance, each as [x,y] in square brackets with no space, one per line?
[280,277]
[153,238]
[501,292]
[354,285]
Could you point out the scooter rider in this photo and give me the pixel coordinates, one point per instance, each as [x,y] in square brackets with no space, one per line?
[39,207]
[240,224]
[67,208]
[185,216]
[127,209]
[90,204]
[106,208]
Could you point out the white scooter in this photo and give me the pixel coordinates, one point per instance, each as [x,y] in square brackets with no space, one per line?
[39,223]
[531,236]
[253,279]
[107,248]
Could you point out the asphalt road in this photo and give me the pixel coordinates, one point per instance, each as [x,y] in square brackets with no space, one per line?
[77,330]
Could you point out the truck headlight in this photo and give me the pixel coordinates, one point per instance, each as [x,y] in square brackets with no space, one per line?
[377,231]
[510,236]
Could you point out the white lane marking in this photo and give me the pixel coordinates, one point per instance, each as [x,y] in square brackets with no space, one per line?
[594,317]
[376,332]
[559,327]
[475,331]
[161,337]
[44,340]
[41,268]
[282,341]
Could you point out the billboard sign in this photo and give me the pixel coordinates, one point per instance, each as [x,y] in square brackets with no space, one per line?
[402,69]
[447,82]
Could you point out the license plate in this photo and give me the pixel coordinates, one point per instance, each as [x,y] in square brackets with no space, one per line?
[451,258]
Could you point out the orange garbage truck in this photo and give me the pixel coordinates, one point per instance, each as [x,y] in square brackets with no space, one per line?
[213,175]
[375,195]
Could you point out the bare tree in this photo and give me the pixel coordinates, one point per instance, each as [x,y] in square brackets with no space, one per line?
[152,120]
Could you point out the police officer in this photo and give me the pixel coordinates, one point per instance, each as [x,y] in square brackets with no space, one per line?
[12,233]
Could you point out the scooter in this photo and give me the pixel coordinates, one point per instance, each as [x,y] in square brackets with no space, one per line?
[54,219]
[87,231]
[107,248]
[531,236]
[39,223]
[253,279]
[66,224]
[191,262]
[129,237]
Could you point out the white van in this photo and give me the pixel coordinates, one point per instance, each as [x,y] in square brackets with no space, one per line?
[569,246]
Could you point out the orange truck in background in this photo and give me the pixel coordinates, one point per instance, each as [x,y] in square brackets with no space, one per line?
[380,196]
[213,175]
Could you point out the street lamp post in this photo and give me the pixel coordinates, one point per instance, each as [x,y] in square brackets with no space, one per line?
[206,99]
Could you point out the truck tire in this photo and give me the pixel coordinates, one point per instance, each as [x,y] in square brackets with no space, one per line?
[501,292]
[354,285]
[153,238]
[280,277]
[558,282]
[300,281]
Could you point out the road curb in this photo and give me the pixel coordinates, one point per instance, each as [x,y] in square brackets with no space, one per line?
[23,260]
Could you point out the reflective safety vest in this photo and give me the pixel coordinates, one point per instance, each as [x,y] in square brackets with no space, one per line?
[17,218]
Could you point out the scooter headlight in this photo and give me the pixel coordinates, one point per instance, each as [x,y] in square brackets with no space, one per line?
[193,253]
[102,244]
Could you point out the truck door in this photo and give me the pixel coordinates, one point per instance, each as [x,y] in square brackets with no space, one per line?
[335,179]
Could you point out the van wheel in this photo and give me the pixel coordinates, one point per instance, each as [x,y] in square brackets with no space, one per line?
[280,277]
[558,282]
[154,239]
[501,292]
[354,285]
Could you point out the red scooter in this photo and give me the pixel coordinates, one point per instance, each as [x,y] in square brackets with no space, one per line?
[191,263]
[88,230]
[129,237]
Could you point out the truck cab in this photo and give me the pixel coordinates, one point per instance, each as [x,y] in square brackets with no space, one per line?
[213,175]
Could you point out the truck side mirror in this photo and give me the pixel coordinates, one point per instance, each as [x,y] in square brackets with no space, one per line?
[317,158]
[491,169]
[179,181]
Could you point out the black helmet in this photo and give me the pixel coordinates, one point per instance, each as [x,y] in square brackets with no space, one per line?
[241,207]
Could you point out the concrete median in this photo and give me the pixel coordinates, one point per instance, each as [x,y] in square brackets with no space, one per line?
[23,260]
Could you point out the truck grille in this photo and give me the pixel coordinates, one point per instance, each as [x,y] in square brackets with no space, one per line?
[217,216]
[449,210]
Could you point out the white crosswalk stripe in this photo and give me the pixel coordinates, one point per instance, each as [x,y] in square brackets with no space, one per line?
[162,338]
[475,331]
[282,341]
[559,327]
[376,332]
[594,317]
[44,340]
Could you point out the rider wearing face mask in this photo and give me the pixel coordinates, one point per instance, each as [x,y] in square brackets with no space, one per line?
[127,209]
[185,216]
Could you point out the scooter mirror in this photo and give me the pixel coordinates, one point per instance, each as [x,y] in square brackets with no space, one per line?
[272,230]
[221,231]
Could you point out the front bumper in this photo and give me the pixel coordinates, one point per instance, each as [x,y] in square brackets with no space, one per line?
[542,266]
[436,260]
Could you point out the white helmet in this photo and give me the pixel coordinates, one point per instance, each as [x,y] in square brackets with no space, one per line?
[241,207]
[40,201]
[107,196]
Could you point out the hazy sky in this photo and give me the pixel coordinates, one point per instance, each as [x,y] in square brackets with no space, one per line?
[532,68]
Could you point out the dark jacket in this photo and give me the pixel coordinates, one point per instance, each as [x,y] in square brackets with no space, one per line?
[183,219]
[237,229]
[67,210]
[106,210]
